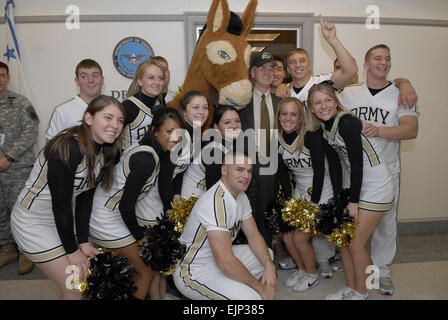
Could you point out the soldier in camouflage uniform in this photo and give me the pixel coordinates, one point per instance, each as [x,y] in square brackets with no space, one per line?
[19,125]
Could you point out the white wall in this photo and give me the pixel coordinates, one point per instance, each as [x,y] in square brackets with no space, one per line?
[50,53]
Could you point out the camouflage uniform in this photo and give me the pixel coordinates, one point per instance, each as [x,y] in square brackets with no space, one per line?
[20,124]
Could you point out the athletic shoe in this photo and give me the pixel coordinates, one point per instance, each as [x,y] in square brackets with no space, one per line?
[306,282]
[341,294]
[355,295]
[293,278]
[287,263]
[386,286]
[325,270]
[336,263]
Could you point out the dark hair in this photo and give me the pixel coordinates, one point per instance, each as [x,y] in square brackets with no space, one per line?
[277,58]
[111,151]
[220,109]
[87,64]
[157,121]
[4,66]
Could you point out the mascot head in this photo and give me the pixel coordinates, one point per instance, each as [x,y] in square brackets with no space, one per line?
[220,62]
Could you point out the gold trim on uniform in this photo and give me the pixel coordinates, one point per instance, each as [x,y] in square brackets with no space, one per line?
[370,151]
[46,255]
[137,121]
[199,239]
[38,185]
[115,244]
[220,208]
[379,207]
[112,202]
[146,223]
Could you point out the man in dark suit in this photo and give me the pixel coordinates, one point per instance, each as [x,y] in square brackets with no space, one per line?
[259,115]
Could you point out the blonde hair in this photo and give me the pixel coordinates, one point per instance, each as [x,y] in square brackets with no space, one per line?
[313,123]
[134,88]
[301,115]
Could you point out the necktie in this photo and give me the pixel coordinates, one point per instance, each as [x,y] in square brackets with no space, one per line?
[265,123]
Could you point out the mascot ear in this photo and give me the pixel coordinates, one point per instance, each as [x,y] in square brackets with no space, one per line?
[249,17]
[218,16]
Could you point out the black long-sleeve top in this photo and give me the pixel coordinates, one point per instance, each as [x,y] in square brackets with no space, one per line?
[61,179]
[350,129]
[141,165]
[132,110]
[168,187]
[319,149]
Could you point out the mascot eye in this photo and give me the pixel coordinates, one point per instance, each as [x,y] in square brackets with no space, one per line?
[223,55]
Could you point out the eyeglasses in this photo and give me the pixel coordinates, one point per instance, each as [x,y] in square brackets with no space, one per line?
[266,68]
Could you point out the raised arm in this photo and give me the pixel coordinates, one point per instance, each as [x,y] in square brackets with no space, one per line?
[343,76]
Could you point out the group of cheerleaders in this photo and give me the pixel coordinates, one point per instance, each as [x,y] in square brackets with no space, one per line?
[85,186]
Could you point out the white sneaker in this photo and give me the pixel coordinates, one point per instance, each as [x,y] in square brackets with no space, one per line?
[340,294]
[357,296]
[308,281]
[293,278]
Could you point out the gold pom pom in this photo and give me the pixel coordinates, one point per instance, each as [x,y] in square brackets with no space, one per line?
[299,213]
[343,236]
[180,211]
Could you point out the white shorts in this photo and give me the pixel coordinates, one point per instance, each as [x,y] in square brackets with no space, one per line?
[208,282]
[36,234]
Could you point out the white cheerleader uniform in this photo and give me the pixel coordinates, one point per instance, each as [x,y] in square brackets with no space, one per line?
[299,163]
[381,110]
[377,188]
[32,219]
[107,228]
[194,178]
[136,130]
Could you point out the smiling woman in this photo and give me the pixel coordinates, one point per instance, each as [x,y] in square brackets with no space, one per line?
[66,172]
[143,100]
[135,200]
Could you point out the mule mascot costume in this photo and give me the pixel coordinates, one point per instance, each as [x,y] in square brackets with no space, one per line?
[220,62]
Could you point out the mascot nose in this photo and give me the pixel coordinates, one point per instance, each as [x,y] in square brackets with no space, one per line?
[237,93]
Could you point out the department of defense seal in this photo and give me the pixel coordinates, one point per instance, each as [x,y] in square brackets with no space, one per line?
[128,54]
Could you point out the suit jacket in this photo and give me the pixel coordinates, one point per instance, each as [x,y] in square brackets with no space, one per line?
[247,113]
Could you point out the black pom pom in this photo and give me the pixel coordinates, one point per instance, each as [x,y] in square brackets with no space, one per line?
[163,248]
[111,278]
[333,214]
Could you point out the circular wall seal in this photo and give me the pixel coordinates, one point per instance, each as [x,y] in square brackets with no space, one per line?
[128,54]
